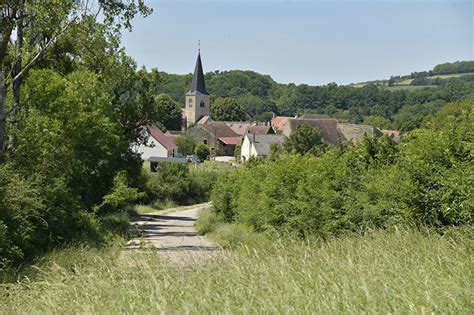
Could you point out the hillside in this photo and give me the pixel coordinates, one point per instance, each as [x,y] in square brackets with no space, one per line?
[403,103]
[459,70]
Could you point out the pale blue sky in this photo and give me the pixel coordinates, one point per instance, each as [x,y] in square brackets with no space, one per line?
[313,42]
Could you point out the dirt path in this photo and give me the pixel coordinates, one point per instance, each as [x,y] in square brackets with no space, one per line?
[171,232]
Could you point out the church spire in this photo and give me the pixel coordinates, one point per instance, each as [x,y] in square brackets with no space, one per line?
[198,85]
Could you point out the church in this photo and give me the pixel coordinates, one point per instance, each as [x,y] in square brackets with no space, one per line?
[220,136]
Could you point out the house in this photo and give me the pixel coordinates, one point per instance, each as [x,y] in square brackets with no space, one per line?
[332,131]
[219,137]
[258,145]
[278,122]
[329,128]
[158,145]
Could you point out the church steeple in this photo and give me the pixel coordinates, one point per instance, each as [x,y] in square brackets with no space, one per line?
[197,100]
[198,84]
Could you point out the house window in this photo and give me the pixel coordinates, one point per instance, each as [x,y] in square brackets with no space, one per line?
[202,104]
[205,141]
[190,103]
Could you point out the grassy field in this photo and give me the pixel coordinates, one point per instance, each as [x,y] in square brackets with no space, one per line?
[450,76]
[400,271]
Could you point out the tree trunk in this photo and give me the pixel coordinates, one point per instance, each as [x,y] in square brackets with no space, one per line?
[2,111]
[16,86]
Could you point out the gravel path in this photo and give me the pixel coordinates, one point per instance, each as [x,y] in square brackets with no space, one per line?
[171,232]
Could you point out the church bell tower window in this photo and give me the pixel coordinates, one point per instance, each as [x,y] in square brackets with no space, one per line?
[202,104]
[190,103]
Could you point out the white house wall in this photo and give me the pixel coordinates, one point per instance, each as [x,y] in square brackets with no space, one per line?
[154,148]
[247,150]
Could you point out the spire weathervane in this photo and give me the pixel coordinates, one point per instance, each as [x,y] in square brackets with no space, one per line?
[199,46]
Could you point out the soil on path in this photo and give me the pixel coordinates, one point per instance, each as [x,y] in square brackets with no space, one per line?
[171,232]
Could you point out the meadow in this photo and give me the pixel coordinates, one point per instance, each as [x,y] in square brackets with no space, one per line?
[391,271]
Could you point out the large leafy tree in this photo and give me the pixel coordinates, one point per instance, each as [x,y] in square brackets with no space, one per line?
[305,139]
[185,145]
[227,109]
[169,112]
[30,29]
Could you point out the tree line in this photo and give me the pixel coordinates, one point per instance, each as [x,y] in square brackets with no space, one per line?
[254,96]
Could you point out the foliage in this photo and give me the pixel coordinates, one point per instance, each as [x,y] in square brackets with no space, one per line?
[202,151]
[455,67]
[180,184]
[227,109]
[379,122]
[185,144]
[305,139]
[427,180]
[70,131]
[169,112]
[237,152]
[276,150]
[121,194]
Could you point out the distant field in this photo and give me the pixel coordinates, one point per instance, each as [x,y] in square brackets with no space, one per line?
[405,84]
[383,272]
[408,87]
[449,76]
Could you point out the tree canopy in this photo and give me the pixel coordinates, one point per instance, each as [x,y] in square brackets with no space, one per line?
[227,109]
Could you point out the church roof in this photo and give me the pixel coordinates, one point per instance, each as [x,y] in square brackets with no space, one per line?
[198,85]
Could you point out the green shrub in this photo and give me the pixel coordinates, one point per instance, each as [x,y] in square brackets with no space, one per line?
[426,180]
[207,222]
[202,151]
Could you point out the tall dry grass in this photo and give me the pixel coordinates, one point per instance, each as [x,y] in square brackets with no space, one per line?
[403,271]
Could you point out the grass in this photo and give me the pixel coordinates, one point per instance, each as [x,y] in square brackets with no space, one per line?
[398,271]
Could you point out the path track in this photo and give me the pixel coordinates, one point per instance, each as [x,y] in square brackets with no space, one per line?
[171,232]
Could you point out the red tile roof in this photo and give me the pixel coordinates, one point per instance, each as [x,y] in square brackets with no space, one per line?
[231,140]
[164,140]
[218,129]
[392,134]
[278,122]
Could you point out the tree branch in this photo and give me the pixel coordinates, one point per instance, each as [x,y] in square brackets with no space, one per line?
[42,51]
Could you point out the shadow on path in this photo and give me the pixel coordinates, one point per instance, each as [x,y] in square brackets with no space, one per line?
[174,232]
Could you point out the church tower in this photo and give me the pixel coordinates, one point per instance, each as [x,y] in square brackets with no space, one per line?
[197,99]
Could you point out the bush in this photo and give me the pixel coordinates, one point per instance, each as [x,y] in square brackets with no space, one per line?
[202,151]
[427,180]
[206,222]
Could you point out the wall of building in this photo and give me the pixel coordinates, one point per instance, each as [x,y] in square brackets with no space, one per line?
[154,148]
[247,149]
[194,113]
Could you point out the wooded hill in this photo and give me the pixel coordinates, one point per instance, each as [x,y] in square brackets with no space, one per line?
[398,106]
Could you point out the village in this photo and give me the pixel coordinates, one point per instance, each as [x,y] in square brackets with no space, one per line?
[248,139]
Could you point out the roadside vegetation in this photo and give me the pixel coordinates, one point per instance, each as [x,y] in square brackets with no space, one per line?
[427,180]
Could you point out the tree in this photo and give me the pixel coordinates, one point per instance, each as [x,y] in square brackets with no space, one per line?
[202,151]
[237,152]
[227,109]
[379,122]
[38,27]
[276,150]
[169,112]
[305,139]
[186,145]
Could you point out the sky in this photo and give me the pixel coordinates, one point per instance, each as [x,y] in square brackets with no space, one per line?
[295,41]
